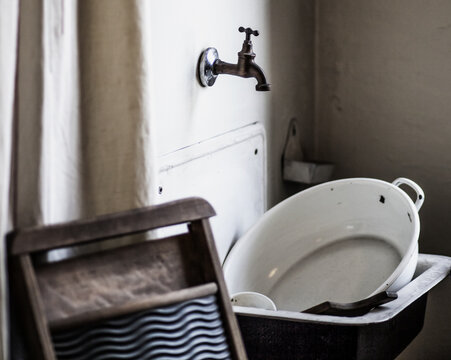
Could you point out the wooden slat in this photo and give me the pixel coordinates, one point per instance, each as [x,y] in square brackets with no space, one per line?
[113,277]
[135,306]
[201,230]
[32,315]
[109,226]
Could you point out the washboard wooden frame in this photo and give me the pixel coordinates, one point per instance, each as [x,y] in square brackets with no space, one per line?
[187,264]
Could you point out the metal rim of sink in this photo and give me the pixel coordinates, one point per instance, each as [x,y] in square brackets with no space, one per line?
[431,270]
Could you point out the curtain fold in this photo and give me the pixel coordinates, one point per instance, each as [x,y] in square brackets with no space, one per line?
[9,11]
[85,140]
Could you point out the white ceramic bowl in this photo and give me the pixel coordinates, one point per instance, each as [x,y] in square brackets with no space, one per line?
[252,299]
[339,241]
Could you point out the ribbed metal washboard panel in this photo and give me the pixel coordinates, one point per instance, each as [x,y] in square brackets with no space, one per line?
[189,330]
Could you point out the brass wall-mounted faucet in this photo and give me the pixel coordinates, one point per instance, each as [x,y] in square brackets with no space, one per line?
[210,66]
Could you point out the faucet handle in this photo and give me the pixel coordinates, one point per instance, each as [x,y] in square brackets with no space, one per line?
[248,32]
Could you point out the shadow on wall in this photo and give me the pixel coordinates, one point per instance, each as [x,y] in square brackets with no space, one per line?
[384,75]
[384,89]
[292,78]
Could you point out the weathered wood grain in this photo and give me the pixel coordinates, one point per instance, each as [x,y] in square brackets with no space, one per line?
[134,305]
[201,230]
[114,277]
[109,226]
[26,292]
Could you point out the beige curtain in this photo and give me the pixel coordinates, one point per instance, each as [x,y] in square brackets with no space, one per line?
[8,47]
[83,143]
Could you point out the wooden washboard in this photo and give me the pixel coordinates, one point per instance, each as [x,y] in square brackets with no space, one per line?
[156,299]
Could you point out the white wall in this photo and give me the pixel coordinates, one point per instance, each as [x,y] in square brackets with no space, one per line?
[384,110]
[186,113]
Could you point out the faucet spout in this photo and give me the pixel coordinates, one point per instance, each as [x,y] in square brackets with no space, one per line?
[256,72]
[245,68]
[221,67]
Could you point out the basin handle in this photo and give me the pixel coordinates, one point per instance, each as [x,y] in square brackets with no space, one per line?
[419,191]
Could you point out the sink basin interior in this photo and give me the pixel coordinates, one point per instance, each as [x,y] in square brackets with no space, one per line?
[430,270]
[383,333]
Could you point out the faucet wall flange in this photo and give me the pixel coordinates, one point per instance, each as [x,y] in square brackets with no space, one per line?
[206,75]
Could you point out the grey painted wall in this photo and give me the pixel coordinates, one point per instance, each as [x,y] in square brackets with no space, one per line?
[292,77]
[383,106]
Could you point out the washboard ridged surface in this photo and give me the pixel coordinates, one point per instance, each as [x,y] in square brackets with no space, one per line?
[191,329]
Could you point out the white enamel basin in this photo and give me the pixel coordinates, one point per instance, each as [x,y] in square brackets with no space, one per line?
[340,241]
